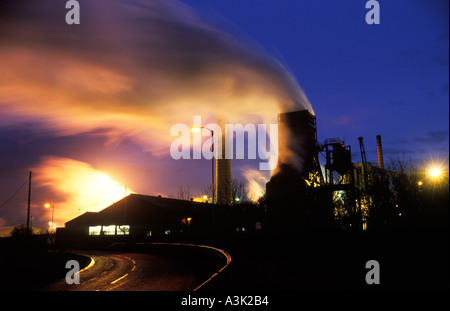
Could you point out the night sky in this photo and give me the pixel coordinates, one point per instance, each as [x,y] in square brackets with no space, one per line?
[88,108]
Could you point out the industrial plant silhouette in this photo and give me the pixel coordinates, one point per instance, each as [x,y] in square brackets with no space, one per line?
[300,196]
[316,227]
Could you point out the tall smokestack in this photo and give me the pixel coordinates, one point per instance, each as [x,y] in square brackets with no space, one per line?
[223,174]
[380,153]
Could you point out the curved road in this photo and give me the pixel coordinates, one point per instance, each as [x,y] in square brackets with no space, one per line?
[133,272]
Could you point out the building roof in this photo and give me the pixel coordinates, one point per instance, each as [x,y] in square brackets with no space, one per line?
[139,209]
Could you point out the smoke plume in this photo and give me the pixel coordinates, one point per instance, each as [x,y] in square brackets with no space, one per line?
[134,68]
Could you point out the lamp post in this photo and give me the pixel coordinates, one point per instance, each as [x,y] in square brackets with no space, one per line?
[196,129]
[48,205]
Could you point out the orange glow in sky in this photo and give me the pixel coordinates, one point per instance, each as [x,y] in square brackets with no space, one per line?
[79,187]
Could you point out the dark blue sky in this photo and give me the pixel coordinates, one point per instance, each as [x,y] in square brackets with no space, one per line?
[77,100]
[362,80]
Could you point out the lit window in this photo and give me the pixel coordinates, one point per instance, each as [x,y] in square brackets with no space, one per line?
[149,233]
[109,230]
[95,230]
[167,232]
[123,230]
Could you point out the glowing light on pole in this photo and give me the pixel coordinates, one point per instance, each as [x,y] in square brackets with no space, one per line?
[435,172]
[48,205]
[197,129]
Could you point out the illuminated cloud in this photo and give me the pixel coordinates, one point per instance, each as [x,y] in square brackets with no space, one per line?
[79,186]
[128,73]
[135,66]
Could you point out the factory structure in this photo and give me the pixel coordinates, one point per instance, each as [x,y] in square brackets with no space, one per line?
[302,194]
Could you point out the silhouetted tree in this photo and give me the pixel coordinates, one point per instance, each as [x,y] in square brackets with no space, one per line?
[404,187]
[348,209]
[262,202]
[20,231]
[184,192]
[239,191]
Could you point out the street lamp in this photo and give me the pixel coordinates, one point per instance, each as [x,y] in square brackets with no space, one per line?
[48,205]
[197,129]
[435,172]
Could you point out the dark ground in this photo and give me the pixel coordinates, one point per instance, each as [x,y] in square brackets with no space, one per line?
[28,263]
[413,259]
[409,260]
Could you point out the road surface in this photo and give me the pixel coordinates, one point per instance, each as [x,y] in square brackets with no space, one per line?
[134,272]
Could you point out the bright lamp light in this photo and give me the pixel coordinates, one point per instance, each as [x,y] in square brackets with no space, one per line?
[435,172]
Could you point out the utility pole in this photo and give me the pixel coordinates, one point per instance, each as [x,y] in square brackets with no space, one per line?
[29,200]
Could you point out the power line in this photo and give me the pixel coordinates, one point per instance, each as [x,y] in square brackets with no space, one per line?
[11,197]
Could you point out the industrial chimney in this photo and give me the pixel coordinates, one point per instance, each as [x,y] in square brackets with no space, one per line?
[380,153]
[223,174]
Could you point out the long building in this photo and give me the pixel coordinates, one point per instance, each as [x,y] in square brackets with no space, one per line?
[143,218]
